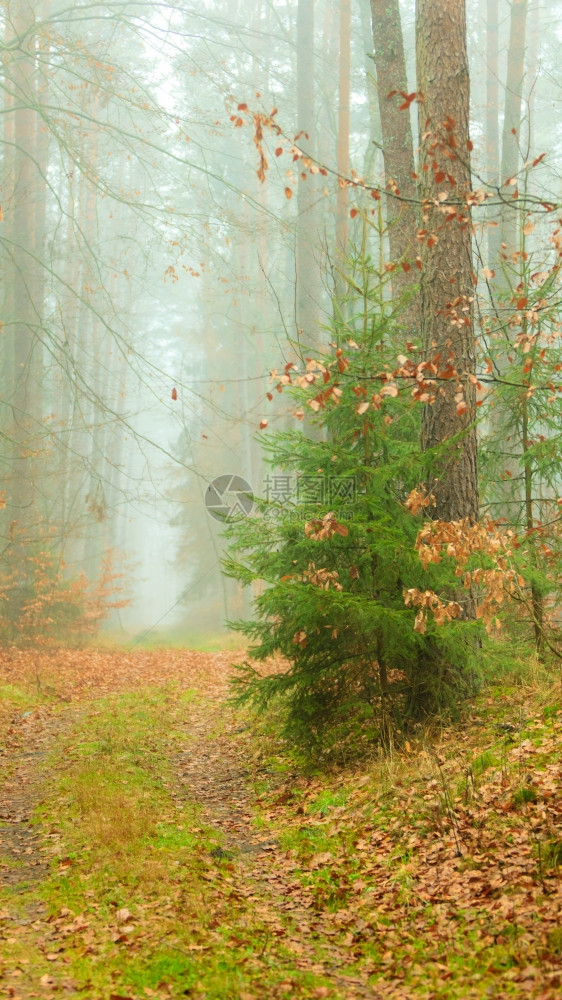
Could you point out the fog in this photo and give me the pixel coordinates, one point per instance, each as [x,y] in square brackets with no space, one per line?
[155,270]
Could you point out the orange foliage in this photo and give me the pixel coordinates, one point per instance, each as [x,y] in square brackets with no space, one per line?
[40,607]
[460,540]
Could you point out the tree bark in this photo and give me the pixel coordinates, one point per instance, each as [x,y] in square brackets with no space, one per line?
[374,141]
[308,290]
[342,203]
[512,120]
[24,224]
[446,299]
[505,244]
[397,147]
[532,72]
[492,119]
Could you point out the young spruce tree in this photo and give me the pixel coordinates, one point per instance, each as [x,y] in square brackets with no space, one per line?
[332,541]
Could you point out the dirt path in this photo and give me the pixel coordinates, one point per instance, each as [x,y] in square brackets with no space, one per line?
[210,770]
[27,739]
[215,776]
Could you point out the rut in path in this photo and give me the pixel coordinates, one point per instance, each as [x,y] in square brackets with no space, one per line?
[24,852]
[28,739]
[212,775]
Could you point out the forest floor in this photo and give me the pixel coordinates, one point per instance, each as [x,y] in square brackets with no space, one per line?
[154,843]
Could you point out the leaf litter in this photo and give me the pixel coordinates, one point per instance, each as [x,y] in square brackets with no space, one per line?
[430,874]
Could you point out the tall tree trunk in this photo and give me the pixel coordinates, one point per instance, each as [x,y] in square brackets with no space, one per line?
[342,202]
[327,84]
[492,119]
[397,146]
[532,73]
[512,120]
[7,181]
[41,91]
[508,271]
[24,226]
[307,243]
[446,278]
[375,136]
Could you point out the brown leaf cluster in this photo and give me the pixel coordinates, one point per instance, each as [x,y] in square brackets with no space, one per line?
[461,540]
[322,528]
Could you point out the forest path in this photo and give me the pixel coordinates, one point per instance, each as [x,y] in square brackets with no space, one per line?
[218,772]
[27,739]
[177,848]
[60,896]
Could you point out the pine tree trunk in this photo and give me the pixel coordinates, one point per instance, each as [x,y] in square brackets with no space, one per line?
[7,152]
[374,142]
[446,279]
[397,147]
[512,120]
[532,72]
[327,84]
[492,120]
[506,264]
[307,270]
[343,125]
[25,234]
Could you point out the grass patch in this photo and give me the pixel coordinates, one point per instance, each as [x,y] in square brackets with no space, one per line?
[19,700]
[524,795]
[482,762]
[140,898]
[328,800]
[205,641]
[551,853]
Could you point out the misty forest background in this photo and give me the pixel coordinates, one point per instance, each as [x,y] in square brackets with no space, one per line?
[151,279]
